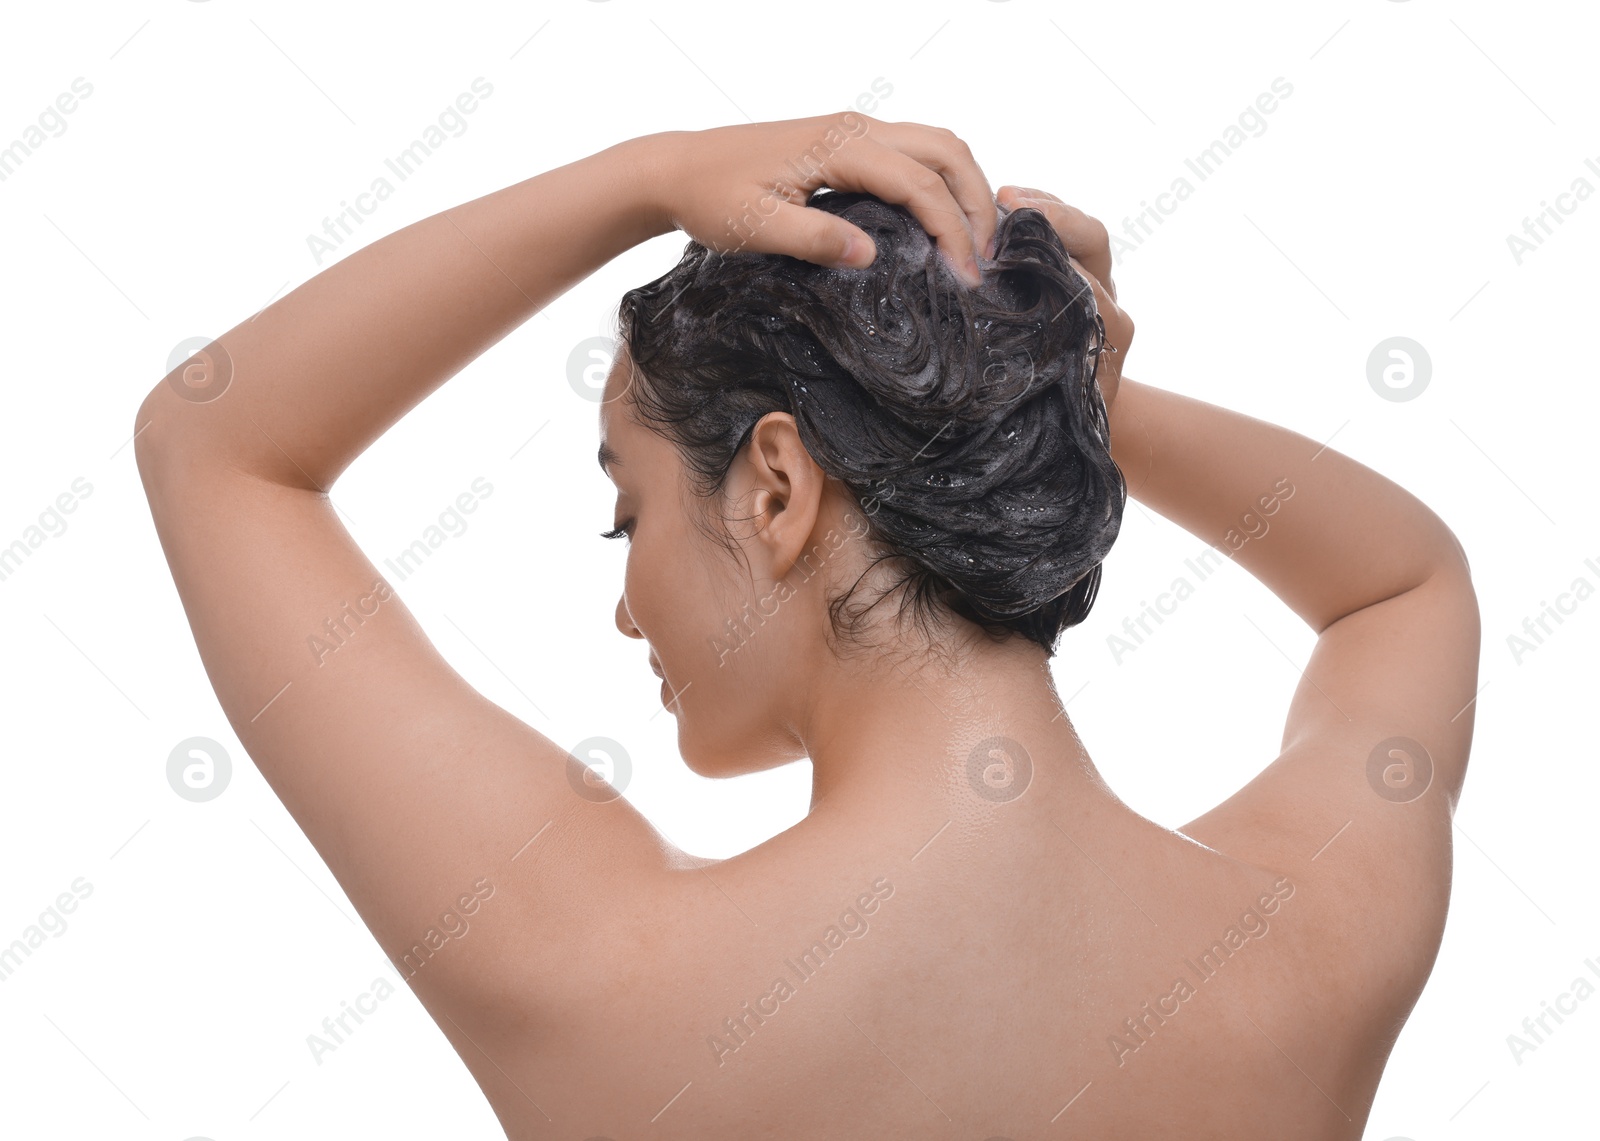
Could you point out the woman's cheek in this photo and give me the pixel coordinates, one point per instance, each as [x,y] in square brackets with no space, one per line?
[659,597]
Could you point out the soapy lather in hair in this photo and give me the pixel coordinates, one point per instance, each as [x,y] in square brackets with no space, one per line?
[969,418]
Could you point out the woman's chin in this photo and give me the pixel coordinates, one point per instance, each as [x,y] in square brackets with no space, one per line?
[719,760]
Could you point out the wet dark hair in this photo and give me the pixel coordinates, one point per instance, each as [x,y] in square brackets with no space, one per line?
[966,422]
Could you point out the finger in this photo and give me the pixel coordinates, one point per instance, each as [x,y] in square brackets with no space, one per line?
[812,235]
[1102,298]
[942,150]
[1119,326]
[894,176]
[1085,237]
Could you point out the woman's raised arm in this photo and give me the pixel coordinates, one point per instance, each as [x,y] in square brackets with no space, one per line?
[429,803]
[1376,739]
[316,377]
[441,815]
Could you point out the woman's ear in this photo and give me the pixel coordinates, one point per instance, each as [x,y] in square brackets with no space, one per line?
[783,492]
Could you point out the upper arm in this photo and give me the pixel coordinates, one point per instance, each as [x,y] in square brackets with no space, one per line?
[421,795]
[1358,804]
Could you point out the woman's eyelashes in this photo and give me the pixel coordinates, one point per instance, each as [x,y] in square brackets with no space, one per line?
[623,530]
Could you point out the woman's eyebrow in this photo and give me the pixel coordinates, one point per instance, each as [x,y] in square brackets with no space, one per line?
[608,457]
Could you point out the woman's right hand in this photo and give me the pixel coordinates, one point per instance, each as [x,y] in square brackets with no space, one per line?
[1089,249]
[745,186]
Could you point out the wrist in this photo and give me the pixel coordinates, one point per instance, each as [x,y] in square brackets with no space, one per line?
[1131,447]
[645,169]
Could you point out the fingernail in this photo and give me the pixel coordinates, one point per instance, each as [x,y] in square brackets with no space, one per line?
[857,255]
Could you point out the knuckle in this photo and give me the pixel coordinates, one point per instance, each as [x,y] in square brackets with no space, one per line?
[926,179]
[852,123]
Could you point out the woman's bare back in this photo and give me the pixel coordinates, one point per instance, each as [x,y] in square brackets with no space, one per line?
[1050,973]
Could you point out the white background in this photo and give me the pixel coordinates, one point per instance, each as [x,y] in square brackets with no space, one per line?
[1376,203]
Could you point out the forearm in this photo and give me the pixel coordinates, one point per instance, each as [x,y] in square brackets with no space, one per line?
[320,374]
[1325,533]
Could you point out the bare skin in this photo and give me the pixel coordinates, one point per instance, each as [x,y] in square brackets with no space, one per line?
[964,938]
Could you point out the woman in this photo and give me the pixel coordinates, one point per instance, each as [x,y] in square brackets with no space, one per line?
[861,457]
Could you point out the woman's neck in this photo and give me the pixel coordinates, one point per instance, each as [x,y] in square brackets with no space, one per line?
[913,732]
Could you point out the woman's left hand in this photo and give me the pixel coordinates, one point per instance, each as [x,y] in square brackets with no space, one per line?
[1089,250]
[744,187]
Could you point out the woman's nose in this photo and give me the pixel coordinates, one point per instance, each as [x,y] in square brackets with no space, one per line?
[625,619]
